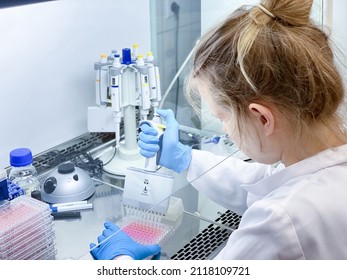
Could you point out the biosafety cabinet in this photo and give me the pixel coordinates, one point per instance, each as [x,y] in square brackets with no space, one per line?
[63,72]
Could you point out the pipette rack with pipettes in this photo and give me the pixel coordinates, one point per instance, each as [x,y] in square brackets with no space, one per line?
[127,90]
[26,230]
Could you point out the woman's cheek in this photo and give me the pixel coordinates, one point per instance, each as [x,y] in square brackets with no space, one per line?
[233,133]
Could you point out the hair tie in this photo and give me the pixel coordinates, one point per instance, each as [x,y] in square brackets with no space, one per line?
[266,11]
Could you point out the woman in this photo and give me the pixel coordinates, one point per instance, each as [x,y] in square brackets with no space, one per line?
[268,74]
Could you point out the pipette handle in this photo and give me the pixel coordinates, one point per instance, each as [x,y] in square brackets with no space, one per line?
[152,162]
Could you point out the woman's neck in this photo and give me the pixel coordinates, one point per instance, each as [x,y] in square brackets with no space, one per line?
[314,141]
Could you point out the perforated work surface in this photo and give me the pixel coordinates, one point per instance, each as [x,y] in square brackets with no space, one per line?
[210,240]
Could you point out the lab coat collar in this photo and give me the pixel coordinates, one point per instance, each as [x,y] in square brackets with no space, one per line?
[324,159]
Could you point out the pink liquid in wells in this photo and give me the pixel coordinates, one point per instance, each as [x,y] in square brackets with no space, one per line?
[23,230]
[16,212]
[144,234]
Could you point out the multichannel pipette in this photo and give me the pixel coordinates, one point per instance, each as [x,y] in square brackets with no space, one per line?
[147,189]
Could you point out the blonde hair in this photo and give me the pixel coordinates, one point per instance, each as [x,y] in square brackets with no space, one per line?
[280,57]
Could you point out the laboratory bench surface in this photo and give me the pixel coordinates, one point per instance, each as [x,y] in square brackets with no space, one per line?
[201,228]
[195,236]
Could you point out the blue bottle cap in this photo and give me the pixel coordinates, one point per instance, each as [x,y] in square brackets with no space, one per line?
[126,53]
[21,157]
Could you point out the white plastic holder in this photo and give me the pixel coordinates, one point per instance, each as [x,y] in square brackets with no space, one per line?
[127,154]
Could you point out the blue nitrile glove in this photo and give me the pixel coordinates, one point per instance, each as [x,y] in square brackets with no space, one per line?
[121,244]
[174,155]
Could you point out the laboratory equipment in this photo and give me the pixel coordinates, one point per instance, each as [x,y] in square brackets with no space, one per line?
[4,195]
[135,52]
[155,123]
[67,183]
[127,94]
[36,194]
[22,172]
[145,230]
[148,189]
[14,190]
[154,79]
[114,242]
[69,208]
[216,138]
[173,155]
[26,230]
[101,84]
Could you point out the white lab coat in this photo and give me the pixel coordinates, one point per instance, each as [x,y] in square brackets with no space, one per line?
[298,212]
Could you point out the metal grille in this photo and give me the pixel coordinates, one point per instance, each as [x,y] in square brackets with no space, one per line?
[210,241]
[69,150]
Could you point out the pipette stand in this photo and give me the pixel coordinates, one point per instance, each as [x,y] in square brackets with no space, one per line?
[129,90]
[127,153]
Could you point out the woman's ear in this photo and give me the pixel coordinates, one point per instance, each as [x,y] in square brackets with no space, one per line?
[264,118]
